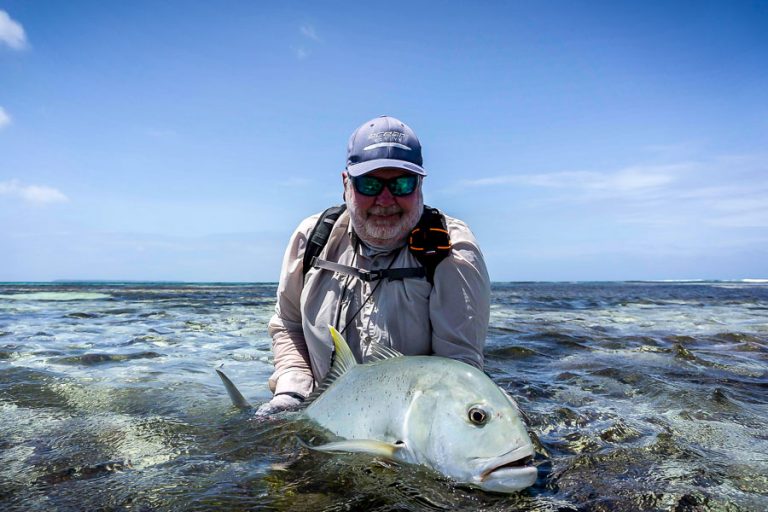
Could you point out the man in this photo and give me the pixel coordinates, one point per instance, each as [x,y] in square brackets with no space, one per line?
[409,309]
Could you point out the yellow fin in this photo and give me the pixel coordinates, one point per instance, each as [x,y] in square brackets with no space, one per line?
[343,358]
[370,446]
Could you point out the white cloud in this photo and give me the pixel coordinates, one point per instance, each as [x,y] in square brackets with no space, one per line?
[309,32]
[629,179]
[687,198]
[740,207]
[310,39]
[754,219]
[301,53]
[5,119]
[11,32]
[35,194]
[637,178]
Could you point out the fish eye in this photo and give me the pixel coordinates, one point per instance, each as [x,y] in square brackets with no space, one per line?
[478,416]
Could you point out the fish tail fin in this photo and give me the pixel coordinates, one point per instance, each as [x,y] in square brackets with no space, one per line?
[238,400]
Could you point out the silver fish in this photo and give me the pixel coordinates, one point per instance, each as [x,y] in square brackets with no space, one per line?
[428,410]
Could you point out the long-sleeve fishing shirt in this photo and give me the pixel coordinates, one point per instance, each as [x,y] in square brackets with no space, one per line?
[449,318]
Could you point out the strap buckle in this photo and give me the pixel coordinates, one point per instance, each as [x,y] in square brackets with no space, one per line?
[371,275]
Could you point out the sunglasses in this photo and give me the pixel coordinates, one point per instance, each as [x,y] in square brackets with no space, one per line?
[399,186]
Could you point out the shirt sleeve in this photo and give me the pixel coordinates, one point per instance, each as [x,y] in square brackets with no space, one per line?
[293,373]
[459,305]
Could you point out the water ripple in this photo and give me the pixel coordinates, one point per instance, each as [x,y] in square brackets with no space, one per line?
[641,396]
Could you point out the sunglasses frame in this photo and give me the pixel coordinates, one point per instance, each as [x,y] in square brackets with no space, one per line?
[389,183]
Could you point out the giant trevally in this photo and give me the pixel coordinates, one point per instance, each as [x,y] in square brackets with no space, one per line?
[428,410]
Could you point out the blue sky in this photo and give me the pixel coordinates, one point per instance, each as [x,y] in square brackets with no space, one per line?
[580,140]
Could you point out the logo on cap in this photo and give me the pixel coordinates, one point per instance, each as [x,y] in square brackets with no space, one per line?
[390,138]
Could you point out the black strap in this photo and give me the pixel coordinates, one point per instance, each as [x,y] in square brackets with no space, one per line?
[320,233]
[297,396]
[392,274]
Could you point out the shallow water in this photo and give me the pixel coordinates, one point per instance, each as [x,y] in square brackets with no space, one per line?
[644,396]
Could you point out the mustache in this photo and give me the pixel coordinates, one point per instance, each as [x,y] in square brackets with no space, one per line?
[384,210]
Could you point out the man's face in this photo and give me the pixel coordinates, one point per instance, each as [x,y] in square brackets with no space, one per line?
[383,221]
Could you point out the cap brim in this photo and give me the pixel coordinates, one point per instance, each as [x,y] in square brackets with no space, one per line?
[384,163]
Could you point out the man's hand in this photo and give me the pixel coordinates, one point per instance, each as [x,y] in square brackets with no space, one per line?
[281,402]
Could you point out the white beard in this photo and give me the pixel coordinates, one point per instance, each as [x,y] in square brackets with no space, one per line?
[382,236]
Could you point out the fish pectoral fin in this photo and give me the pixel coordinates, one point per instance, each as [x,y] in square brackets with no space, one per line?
[369,446]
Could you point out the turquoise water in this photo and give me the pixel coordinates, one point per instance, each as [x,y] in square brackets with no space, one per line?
[644,396]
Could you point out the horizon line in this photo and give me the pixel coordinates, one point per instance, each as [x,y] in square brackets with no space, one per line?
[521,281]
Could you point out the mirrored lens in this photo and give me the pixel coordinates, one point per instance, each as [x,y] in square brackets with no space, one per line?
[368,185]
[403,185]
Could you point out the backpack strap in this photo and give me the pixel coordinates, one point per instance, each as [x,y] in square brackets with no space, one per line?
[320,233]
[391,274]
[430,242]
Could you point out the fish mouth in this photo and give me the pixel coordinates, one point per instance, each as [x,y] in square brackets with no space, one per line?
[511,465]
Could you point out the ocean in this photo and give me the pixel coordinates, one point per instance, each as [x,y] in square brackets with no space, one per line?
[642,395]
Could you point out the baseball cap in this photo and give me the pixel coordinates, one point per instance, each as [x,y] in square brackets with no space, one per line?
[384,142]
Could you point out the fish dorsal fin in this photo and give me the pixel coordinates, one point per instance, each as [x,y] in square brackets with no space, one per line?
[380,352]
[343,361]
[343,358]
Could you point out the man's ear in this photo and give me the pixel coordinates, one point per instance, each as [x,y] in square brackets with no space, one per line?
[344,178]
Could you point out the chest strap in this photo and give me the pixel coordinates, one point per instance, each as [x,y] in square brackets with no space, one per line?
[391,274]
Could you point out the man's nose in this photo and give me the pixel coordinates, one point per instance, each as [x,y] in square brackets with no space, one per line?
[385,198]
